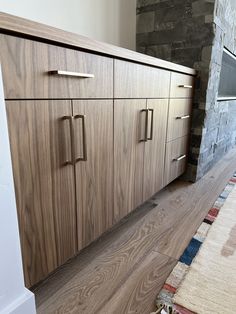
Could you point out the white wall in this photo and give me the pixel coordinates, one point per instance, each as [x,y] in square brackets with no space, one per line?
[111,21]
[14,297]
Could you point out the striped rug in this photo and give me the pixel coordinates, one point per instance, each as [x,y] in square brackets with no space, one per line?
[204,279]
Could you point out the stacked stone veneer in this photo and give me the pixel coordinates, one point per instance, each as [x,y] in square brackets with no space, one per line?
[193,33]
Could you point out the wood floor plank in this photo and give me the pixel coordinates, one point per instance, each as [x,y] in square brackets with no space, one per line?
[99,273]
[66,272]
[91,288]
[200,197]
[138,292]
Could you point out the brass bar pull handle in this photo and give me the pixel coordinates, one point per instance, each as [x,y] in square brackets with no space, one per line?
[186,86]
[146,126]
[69,161]
[69,73]
[183,117]
[179,158]
[151,131]
[84,158]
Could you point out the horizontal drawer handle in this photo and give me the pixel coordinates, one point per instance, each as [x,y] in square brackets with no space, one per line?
[68,73]
[186,86]
[179,158]
[183,117]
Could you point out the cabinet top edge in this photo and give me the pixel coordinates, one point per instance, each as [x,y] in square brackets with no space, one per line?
[10,24]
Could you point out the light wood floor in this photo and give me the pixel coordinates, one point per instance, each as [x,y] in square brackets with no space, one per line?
[124,270]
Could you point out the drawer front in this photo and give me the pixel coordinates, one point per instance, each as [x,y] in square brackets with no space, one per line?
[138,81]
[27,71]
[176,158]
[179,118]
[182,85]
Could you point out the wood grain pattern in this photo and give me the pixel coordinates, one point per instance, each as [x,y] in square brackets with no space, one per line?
[154,156]
[103,270]
[128,156]
[175,149]
[177,127]
[26,63]
[94,177]
[136,293]
[23,27]
[88,290]
[138,81]
[196,201]
[44,186]
[177,79]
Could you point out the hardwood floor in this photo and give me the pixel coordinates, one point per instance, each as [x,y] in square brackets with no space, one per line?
[124,270]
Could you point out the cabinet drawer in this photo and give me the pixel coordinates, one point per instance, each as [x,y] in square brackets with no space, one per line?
[27,71]
[182,85]
[139,81]
[179,118]
[176,158]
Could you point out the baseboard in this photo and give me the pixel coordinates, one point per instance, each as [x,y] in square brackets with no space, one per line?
[25,304]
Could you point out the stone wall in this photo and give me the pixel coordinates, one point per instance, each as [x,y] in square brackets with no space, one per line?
[193,33]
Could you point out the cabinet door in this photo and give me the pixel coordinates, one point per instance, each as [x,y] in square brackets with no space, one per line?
[44,184]
[179,118]
[128,155]
[93,127]
[176,158]
[154,156]
[39,70]
[132,80]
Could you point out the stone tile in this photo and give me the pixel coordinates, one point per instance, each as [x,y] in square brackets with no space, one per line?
[206,53]
[198,118]
[186,54]
[167,36]
[201,7]
[167,18]
[145,22]
[160,51]
[203,33]
[142,40]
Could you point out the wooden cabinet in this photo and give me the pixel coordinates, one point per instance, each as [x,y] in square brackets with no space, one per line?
[93,131]
[154,156]
[44,184]
[128,155]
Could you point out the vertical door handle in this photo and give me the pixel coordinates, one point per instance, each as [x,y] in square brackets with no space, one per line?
[84,158]
[69,161]
[151,131]
[146,125]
